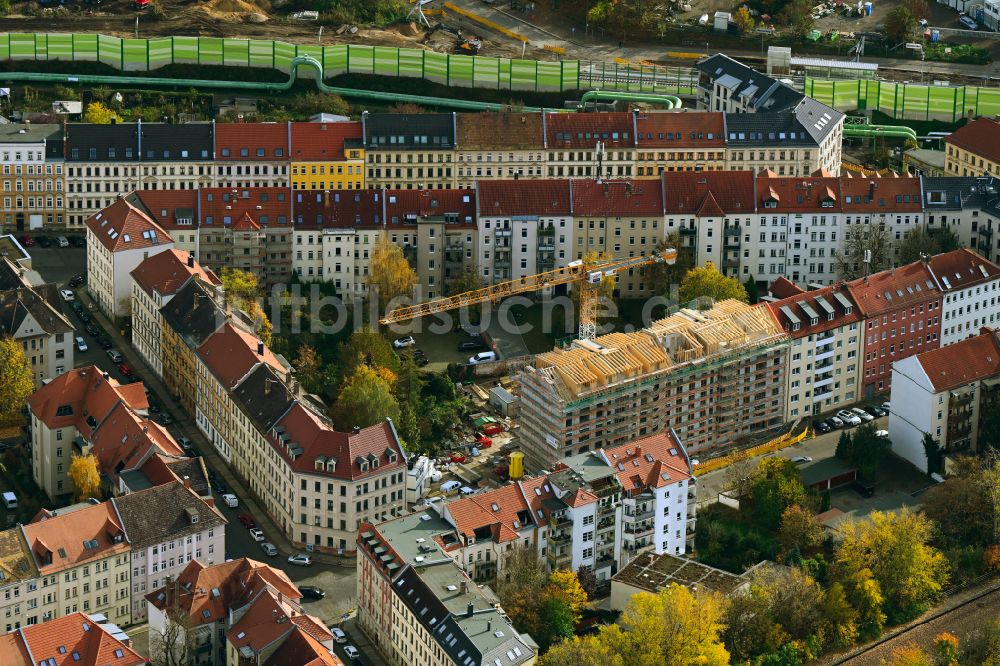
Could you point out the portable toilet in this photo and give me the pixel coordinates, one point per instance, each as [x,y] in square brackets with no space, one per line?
[516,470]
[868,9]
[721,23]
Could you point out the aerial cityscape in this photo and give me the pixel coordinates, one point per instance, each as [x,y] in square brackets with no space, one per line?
[500,332]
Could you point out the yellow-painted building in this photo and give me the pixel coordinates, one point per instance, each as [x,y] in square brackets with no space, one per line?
[327,156]
[32,177]
[972,149]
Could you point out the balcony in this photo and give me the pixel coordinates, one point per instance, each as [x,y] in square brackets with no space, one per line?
[559,537]
[824,356]
[688,231]
[637,531]
[985,232]
[638,515]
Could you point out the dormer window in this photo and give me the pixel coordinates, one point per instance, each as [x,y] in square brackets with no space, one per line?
[770,203]
[813,321]
[795,326]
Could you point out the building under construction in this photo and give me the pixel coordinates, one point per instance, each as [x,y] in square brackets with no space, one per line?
[714,376]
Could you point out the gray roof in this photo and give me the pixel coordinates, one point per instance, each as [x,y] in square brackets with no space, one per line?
[957,192]
[164,513]
[263,397]
[817,118]
[29,132]
[41,304]
[765,92]
[193,313]
[172,143]
[418,131]
[808,124]
[86,142]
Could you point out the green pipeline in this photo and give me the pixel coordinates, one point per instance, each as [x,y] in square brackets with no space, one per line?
[669,101]
[893,131]
[298,61]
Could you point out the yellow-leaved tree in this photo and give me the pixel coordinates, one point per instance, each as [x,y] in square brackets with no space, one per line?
[16,382]
[365,399]
[99,114]
[707,282]
[85,477]
[244,292]
[391,274]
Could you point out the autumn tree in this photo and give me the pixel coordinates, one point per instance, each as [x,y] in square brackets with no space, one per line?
[368,347]
[365,399]
[839,619]
[799,530]
[98,114]
[86,478]
[916,243]
[588,581]
[16,381]
[621,18]
[960,507]
[900,24]
[776,485]
[707,282]
[859,239]
[738,478]
[391,274]
[582,651]
[175,645]
[308,369]
[894,548]
[743,20]
[797,15]
[470,279]
[244,293]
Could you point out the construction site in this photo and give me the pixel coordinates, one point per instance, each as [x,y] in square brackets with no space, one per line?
[714,376]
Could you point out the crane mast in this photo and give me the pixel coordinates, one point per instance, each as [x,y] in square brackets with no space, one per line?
[590,275]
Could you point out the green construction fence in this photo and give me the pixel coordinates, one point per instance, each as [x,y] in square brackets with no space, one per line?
[907,101]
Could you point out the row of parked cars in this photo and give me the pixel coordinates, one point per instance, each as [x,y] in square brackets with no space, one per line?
[854,416]
[46,241]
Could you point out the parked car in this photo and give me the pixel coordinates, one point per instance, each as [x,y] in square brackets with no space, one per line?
[483,357]
[351,652]
[247,521]
[218,486]
[125,368]
[115,356]
[873,410]
[26,241]
[62,241]
[77,307]
[44,242]
[186,445]
[862,414]
[80,241]
[968,22]
[471,345]
[82,315]
[311,592]
[269,549]
[886,407]
[67,295]
[405,341]
[154,408]
[81,344]
[92,330]
[300,560]
[230,500]
[338,635]
[821,426]
[105,342]
[257,534]
[849,418]
[798,460]
[835,422]
[165,418]
[421,361]
[881,433]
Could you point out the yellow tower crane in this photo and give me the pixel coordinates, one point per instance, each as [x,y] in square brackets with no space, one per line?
[589,275]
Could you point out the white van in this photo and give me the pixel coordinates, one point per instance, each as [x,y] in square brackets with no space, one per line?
[230,500]
[483,357]
[449,486]
[10,500]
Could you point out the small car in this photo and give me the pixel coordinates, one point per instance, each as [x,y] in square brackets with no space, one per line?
[312,592]
[115,356]
[300,560]
[186,445]
[105,342]
[62,241]
[798,460]
[77,307]
[92,330]
[124,368]
[218,486]
[849,418]
[421,361]
[79,241]
[881,433]
[269,549]
[483,357]
[471,345]
[405,341]
[351,652]
[821,426]
[165,418]
[835,422]
[247,521]
[257,534]
[76,281]
[968,22]
[83,316]
[874,411]
[44,242]
[26,241]
[67,295]
[862,414]
[231,501]
[81,344]
[886,407]
[338,633]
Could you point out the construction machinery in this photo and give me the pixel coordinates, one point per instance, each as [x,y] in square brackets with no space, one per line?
[470,45]
[587,275]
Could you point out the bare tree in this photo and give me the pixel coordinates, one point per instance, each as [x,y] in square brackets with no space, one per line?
[738,477]
[861,240]
[176,645]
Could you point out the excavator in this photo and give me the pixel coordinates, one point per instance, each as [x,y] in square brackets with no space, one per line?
[587,275]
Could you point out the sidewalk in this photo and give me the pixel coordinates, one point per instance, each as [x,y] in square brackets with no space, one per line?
[184,423]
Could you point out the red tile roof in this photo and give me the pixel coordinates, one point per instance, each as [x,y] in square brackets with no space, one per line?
[431,203]
[962,269]
[502,512]
[246,223]
[168,207]
[74,640]
[125,439]
[584,130]
[322,142]
[264,204]
[685,191]
[799,195]
[121,226]
[650,462]
[271,618]
[234,137]
[81,394]
[339,209]
[498,198]
[963,362]
[783,288]
[301,649]
[166,272]
[814,300]
[693,129]
[980,137]
[319,442]
[230,353]
[893,289]
[880,195]
[63,537]
[616,198]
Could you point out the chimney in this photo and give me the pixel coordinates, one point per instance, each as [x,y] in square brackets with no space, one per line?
[187,482]
[489,625]
[871,189]
[464,587]
[260,347]
[106,375]
[638,451]
[469,609]
[357,429]
[190,259]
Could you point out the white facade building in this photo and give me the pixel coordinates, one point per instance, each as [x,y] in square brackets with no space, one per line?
[971,288]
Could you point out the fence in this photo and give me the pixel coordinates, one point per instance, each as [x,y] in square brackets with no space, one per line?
[907,101]
[776,444]
[144,55]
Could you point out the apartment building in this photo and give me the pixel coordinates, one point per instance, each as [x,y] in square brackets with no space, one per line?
[69,408]
[902,312]
[176,157]
[409,151]
[526,228]
[946,393]
[82,556]
[597,509]
[791,143]
[971,149]
[33,316]
[119,238]
[154,283]
[970,286]
[679,142]
[731,87]
[827,342]
[252,155]
[498,146]
[327,156]
[590,145]
[174,211]
[417,606]
[33,179]
[713,376]
[68,640]
[969,207]
[167,526]
[239,612]
[19,603]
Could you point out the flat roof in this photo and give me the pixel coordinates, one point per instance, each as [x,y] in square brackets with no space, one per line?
[652,572]
[842,64]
